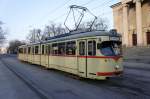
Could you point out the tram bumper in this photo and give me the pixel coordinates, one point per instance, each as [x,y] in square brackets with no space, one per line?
[109,74]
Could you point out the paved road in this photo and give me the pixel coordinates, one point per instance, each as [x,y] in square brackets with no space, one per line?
[11,87]
[135,83]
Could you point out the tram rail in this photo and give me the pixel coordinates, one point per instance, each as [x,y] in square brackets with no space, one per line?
[27,81]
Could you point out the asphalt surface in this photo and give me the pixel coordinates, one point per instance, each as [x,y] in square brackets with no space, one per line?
[53,84]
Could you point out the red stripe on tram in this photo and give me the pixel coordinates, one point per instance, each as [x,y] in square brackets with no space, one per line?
[112,57]
[109,73]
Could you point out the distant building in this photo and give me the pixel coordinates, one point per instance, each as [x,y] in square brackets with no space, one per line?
[3,50]
[132,20]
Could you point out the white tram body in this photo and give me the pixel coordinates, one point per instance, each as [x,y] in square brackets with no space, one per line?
[94,55]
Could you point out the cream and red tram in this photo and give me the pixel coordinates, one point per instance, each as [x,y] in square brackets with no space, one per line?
[94,55]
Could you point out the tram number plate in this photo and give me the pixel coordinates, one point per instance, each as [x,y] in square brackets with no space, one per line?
[114,38]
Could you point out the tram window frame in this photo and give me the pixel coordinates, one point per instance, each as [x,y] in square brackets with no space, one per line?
[43,49]
[36,49]
[71,48]
[32,49]
[29,50]
[92,48]
[62,48]
[55,49]
[81,48]
[20,50]
[49,49]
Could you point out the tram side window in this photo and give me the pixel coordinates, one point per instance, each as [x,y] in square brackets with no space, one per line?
[43,49]
[24,50]
[32,50]
[71,48]
[92,48]
[36,49]
[46,49]
[29,50]
[55,49]
[49,49]
[82,48]
[61,48]
[20,50]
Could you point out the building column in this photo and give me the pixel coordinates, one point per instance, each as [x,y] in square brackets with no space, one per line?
[125,25]
[139,23]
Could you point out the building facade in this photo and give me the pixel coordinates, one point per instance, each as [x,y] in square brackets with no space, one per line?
[132,20]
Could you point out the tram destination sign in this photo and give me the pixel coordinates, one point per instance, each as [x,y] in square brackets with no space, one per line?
[114,38]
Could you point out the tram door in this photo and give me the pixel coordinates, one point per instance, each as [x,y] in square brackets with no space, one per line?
[148,38]
[32,54]
[82,58]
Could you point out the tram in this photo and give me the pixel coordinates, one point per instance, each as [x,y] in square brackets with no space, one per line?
[93,54]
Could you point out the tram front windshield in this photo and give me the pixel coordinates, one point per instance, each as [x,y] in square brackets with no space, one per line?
[110,48]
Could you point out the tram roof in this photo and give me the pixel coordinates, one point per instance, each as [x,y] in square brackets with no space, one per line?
[77,34]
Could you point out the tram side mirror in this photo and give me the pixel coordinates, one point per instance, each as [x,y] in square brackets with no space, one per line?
[98,45]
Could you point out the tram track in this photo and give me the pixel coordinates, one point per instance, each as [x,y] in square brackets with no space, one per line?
[129,84]
[126,84]
[132,87]
[38,91]
[117,84]
[141,68]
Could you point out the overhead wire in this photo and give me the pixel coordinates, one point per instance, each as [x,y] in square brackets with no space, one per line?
[103,4]
[57,8]
[90,1]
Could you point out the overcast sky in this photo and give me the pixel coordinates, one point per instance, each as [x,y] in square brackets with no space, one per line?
[20,16]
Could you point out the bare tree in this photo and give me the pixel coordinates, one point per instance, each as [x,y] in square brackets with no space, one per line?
[2,34]
[99,24]
[53,30]
[35,35]
[13,46]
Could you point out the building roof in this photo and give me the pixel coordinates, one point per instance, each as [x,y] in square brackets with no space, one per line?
[116,4]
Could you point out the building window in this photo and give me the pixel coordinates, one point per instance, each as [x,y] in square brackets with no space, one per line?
[71,48]
[92,48]
[36,49]
[82,48]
